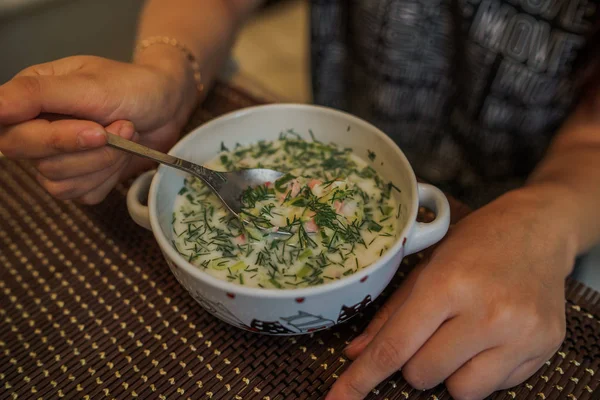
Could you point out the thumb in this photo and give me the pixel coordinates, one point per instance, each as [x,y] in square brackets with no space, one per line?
[41,138]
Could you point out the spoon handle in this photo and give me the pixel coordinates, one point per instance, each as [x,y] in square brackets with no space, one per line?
[210,177]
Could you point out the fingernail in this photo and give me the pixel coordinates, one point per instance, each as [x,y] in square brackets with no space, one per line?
[360,339]
[91,138]
[127,130]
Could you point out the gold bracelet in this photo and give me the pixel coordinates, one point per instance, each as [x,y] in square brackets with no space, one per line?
[144,44]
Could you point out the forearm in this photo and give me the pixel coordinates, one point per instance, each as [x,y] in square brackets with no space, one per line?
[206,27]
[568,178]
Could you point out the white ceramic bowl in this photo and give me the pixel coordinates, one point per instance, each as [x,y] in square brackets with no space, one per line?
[290,311]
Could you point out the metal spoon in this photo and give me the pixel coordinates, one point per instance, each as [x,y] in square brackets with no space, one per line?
[228,186]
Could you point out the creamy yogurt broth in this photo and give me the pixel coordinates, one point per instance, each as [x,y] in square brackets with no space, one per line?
[337,216]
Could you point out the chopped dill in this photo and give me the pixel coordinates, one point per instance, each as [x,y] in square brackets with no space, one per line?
[325,215]
[372,155]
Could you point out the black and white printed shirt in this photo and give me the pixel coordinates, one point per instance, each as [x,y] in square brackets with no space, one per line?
[471,90]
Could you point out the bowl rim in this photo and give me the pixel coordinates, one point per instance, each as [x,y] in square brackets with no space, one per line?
[248,291]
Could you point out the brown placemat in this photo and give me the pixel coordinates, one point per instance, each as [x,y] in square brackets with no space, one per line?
[89,309]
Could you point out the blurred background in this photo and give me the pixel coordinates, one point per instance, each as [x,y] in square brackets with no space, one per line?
[271,51]
[270,56]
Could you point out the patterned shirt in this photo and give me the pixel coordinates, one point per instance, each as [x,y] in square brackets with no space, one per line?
[471,90]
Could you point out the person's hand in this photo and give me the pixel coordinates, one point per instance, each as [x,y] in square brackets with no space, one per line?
[482,313]
[56,115]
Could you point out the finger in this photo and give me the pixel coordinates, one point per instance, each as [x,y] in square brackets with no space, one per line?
[70,165]
[79,186]
[98,194]
[397,341]
[522,373]
[26,96]
[458,341]
[383,314]
[40,138]
[485,373]
[73,188]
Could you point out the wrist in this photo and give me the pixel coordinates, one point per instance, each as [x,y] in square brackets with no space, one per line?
[173,65]
[549,212]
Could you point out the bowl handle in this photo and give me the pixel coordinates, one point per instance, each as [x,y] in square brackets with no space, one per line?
[427,234]
[137,199]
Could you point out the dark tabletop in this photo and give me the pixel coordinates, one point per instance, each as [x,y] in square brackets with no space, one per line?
[89,309]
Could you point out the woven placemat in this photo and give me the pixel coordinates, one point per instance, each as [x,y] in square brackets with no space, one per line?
[89,309]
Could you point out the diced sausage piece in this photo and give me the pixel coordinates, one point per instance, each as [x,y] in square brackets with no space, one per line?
[295,188]
[338,205]
[241,239]
[310,226]
[313,183]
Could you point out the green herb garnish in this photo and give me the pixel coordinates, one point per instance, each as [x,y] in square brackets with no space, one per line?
[320,203]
